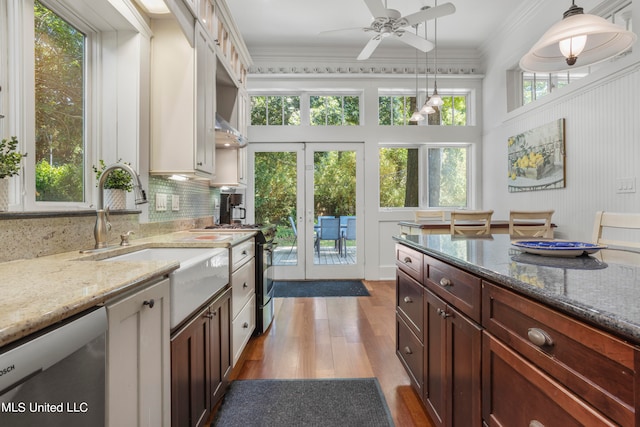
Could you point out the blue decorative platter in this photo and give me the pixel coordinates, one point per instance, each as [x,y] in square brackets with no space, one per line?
[556,247]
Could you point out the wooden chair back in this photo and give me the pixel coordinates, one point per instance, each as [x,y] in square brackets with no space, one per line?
[429,215]
[616,223]
[471,223]
[518,229]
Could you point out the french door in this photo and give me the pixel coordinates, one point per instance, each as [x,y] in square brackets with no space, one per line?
[296,186]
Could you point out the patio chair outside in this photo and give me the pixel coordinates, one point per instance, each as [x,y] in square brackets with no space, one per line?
[329,230]
[349,233]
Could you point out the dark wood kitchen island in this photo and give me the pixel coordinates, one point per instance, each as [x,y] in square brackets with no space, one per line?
[490,334]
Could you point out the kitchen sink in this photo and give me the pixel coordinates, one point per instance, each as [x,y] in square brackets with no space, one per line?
[202,273]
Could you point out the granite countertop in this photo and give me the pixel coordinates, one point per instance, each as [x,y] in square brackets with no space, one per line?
[39,292]
[602,289]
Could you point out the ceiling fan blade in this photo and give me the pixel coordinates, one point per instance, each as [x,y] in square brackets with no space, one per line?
[369,48]
[340,30]
[414,40]
[376,8]
[428,14]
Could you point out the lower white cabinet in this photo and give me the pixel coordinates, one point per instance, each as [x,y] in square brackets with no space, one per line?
[243,299]
[138,359]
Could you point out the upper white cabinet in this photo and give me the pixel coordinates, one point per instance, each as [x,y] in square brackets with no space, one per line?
[182,102]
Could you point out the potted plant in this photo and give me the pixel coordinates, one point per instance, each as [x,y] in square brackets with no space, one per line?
[117,184]
[10,162]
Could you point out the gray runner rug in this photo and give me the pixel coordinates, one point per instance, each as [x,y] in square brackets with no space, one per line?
[319,288]
[315,402]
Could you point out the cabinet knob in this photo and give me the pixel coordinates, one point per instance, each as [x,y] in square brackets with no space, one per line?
[442,313]
[208,315]
[150,303]
[408,300]
[244,252]
[445,282]
[407,260]
[244,285]
[245,325]
[199,163]
[539,337]
[407,350]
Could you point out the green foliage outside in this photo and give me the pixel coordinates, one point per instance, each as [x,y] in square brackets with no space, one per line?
[334,110]
[275,110]
[59,92]
[394,176]
[395,110]
[454,111]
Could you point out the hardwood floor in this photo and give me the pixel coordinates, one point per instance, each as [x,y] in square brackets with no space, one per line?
[346,337]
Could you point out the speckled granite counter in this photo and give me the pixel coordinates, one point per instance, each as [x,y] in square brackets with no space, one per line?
[39,292]
[602,289]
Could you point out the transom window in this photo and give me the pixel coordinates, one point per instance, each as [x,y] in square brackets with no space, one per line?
[275,110]
[428,176]
[334,110]
[396,110]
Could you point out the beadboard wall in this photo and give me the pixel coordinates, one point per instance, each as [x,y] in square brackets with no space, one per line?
[602,143]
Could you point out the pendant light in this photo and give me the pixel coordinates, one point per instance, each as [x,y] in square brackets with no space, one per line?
[435,100]
[416,116]
[426,108]
[580,39]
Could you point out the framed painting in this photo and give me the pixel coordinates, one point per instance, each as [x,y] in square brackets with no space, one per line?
[537,158]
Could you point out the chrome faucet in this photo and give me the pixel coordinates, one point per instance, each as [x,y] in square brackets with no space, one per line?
[102,227]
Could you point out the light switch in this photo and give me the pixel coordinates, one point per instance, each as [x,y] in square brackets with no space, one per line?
[626,185]
[175,202]
[161,202]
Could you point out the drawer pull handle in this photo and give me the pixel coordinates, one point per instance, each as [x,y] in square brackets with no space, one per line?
[445,282]
[535,423]
[150,303]
[408,300]
[245,325]
[407,260]
[244,252]
[539,337]
[208,315]
[407,350]
[244,285]
[442,313]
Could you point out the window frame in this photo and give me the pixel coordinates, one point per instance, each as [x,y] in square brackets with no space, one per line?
[327,94]
[423,175]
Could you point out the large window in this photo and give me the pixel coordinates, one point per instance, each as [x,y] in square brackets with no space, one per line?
[442,170]
[275,110]
[59,107]
[334,110]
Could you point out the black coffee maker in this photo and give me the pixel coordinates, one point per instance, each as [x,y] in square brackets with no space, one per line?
[229,204]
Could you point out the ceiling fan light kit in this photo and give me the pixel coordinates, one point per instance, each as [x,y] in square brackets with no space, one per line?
[578,40]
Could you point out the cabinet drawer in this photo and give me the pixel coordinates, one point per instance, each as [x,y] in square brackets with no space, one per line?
[589,362]
[456,287]
[243,286]
[516,393]
[409,261]
[242,253]
[409,301]
[410,351]
[243,327]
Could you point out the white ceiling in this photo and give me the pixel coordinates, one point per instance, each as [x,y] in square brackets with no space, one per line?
[285,24]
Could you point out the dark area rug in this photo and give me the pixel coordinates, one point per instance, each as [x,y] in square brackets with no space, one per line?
[319,288]
[316,402]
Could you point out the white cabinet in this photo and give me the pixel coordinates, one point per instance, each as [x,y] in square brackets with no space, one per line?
[243,296]
[183,102]
[138,358]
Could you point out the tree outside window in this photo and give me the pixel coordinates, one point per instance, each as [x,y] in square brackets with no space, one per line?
[334,110]
[275,110]
[59,107]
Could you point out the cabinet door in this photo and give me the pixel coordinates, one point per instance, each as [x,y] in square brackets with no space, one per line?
[220,348]
[516,393]
[190,390]
[138,370]
[452,370]
[205,102]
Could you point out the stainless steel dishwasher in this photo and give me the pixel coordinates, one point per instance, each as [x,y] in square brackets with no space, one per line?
[56,377]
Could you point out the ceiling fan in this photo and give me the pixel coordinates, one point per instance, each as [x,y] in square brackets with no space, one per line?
[390,23]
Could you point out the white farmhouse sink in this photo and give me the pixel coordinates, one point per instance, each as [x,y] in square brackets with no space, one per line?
[202,273]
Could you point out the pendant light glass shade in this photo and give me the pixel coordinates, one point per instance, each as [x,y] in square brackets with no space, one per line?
[416,116]
[577,41]
[435,100]
[427,109]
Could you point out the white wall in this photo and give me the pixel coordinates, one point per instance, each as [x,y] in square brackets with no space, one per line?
[602,131]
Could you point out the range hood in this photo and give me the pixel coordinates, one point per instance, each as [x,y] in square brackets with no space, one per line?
[227,136]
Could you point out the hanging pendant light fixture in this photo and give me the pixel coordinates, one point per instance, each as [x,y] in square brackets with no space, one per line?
[435,100]
[426,108]
[416,116]
[580,39]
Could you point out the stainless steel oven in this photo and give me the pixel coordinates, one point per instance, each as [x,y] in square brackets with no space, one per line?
[264,289]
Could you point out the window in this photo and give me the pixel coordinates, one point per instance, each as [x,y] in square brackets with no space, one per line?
[275,110]
[454,110]
[395,110]
[334,110]
[59,107]
[444,170]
